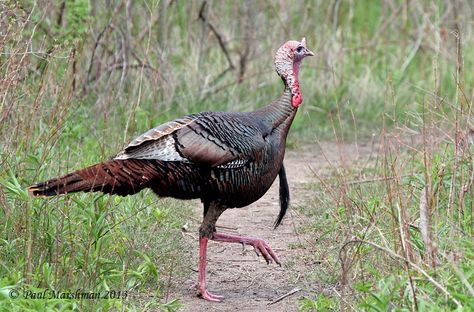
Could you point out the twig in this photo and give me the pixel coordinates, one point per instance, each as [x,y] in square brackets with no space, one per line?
[378,179]
[252,282]
[62,7]
[203,18]
[415,48]
[94,49]
[388,21]
[227,227]
[216,33]
[284,296]
[189,234]
[96,45]
[132,66]
[237,260]
[208,93]
[248,34]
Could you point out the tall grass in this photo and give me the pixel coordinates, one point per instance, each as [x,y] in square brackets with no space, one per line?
[403,217]
[79,79]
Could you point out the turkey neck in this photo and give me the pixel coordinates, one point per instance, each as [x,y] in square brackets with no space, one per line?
[279,114]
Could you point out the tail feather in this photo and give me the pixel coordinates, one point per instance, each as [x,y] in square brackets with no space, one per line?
[284,196]
[121,177]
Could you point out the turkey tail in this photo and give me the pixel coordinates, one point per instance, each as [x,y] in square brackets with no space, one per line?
[121,177]
[284,196]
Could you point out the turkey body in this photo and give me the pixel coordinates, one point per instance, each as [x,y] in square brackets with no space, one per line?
[228,160]
[258,152]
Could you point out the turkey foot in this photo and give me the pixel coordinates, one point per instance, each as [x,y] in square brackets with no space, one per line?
[260,246]
[204,294]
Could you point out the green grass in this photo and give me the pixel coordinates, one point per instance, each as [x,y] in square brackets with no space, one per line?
[101,75]
[364,229]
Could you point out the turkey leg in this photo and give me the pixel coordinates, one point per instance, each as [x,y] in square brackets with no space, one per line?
[202,288]
[207,231]
[258,244]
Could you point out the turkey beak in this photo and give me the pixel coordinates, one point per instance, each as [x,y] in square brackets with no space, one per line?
[308,53]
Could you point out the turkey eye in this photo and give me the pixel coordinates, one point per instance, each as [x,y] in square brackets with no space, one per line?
[299,49]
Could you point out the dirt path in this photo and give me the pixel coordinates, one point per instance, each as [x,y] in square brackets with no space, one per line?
[246,281]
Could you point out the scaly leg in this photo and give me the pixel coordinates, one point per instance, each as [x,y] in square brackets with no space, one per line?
[202,289]
[258,244]
[212,211]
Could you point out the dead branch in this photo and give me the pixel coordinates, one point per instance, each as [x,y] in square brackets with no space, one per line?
[284,296]
[62,8]
[94,49]
[249,26]
[96,45]
[376,179]
[203,18]
[131,66]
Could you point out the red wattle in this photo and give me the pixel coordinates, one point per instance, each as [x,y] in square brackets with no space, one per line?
[296,100]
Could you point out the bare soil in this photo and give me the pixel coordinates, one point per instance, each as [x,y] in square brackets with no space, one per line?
[246,281]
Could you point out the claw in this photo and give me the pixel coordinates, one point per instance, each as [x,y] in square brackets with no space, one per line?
[256,251]
[260,246]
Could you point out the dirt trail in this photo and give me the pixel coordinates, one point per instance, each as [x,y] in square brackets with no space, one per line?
[246,281]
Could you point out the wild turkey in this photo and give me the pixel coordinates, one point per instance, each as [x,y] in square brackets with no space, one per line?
[228,160]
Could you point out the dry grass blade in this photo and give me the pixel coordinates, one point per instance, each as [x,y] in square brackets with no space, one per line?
[425,227]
